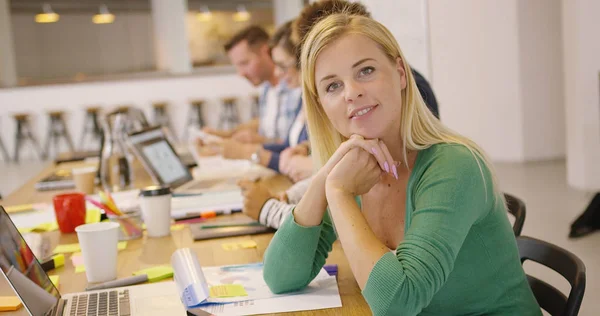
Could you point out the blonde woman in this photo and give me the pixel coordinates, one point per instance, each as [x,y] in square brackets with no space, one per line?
[415,205]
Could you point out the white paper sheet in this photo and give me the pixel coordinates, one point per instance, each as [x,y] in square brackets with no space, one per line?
[324,295]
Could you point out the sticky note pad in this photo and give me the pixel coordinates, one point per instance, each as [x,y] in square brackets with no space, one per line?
[79,269]
[46,227]
[77,259]
[248,244]
[25,230]
[230,246]
[177,227]
[156,273]
[10,303]
[227,290]
[68,248]
[92,215]
[122,245]
[54,279]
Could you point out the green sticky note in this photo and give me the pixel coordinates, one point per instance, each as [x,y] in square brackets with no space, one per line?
[92,216]
[54,279]
[227,290]
[156,273]
[68,248]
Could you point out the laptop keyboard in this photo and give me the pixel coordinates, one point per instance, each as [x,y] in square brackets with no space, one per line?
[109,303]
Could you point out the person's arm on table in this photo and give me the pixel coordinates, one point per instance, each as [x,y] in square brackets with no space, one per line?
[300,247]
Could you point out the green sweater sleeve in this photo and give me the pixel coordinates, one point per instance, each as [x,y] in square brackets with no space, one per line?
[449,196]
[296,254]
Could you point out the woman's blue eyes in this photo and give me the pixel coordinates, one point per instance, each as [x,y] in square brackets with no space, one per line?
[367,71]
[363,72]
[332,86]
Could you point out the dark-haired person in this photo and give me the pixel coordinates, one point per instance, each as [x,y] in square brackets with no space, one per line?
[283,51]
[250,54]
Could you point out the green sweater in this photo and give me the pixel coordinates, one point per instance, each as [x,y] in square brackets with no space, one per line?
[458,257]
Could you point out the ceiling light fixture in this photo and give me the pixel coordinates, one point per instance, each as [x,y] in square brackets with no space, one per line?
[204,15]
[104,16]
[242,15]
[47,15]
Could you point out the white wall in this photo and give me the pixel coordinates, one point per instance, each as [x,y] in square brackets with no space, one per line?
[285,10]
[75,44]
[496,69]
[407,20]
[542,84]
[582,91]
[73,98]
[8,72]
[475,72]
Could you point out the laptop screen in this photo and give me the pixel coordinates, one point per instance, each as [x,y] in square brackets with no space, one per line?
[23,271]
[159,158]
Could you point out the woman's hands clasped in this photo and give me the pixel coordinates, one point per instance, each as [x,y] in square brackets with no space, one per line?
[357,165]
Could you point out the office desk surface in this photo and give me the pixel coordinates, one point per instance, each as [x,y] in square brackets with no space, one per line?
[148,252]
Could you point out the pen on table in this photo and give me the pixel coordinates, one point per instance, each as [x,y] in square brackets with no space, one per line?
[205,215]
[137,279]
[331,269]
[183,194]
[53,262]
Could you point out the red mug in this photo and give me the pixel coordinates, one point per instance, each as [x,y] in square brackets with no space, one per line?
[70,211]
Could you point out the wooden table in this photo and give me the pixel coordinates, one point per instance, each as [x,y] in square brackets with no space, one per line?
[148,252]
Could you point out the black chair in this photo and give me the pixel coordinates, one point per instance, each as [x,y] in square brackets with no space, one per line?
[516,207]
[562,261]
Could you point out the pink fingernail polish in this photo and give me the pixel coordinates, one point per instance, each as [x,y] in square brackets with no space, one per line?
[395,171]
[386,166]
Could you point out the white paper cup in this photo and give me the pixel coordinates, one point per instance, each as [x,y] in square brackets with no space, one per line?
[155,203]
[84,179]
[99,249]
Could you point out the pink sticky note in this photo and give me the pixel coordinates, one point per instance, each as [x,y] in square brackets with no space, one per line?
[77,259]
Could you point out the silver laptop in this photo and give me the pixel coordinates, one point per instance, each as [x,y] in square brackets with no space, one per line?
[157,154]
[41,298]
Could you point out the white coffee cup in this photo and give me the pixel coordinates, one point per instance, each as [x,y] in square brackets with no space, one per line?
[98,244]
[84,179]
[155,203]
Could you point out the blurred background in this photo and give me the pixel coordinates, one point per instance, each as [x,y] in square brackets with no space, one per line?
[520,77]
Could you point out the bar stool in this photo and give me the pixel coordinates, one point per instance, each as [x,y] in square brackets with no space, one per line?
[195,117]
[5,154]
[91,126]
[57,129]
[229,117]
[23,133]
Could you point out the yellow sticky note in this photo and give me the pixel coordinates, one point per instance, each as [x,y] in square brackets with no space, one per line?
[227,290]
[19,208]
[10,303]
[67,248]
[156,273]
[54,279]
[248,244]
[230,246]
[177,227]
[80,268]
[25,230]
[46,227]
[92,215]
[122,245]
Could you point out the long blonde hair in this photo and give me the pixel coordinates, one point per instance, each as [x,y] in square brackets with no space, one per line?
[420,129]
